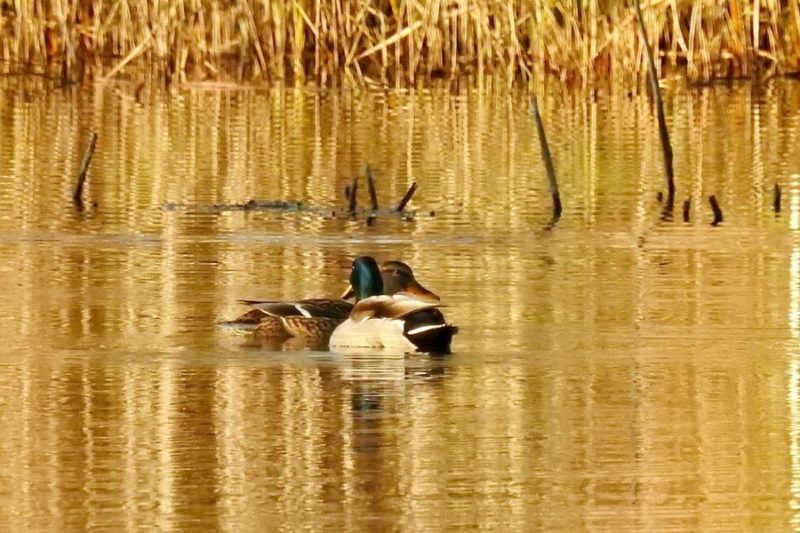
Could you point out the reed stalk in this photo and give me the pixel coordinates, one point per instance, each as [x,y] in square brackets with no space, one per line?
[776,198]
[77,194]
[406,198]
[715,208]
[548,160]
[663,133]
[373,195]
[352,197]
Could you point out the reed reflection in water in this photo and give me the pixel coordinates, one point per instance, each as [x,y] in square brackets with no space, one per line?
[617,372]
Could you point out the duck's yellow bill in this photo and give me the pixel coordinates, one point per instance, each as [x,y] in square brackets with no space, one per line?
[348,292]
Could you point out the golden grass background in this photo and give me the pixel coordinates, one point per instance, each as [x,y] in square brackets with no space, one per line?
[395,42]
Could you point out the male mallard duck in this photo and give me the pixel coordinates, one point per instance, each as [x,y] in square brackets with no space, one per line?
[310,322]
[399,322]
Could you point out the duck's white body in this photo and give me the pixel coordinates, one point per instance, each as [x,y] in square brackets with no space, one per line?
[385,334]
[378,323]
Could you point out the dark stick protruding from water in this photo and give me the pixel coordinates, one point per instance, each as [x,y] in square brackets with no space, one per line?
[776,199]
[373,196]
[717,211]
[687,206]
[548,160]
[352,198]
[407,197]
[77,195]
[666,147]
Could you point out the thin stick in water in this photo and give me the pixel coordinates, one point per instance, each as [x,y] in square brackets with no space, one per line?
[77,195]
[548,161]
[373,196]
[352,199]
[776,199]
[666,147]
[687,206]
[407,197]
[717,211]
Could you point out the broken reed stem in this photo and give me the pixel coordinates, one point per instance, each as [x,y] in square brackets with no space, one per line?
[406,198]
[373,196]
[776,199]
[666,147]
[77,195]
[548,160]
[718,218]
[352,198]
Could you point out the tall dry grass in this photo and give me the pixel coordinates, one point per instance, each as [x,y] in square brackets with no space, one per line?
[397,41]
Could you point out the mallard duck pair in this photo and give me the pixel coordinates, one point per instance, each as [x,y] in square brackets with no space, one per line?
[402,322]
[392,311]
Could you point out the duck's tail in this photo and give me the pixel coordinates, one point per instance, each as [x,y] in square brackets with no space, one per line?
[429,332]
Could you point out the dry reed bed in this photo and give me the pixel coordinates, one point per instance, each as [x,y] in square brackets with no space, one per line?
[395,41]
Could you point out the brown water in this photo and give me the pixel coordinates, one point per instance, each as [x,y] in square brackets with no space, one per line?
[616,373]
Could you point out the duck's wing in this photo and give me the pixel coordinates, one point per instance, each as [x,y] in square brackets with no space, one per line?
[327,307]
[391,307]
[309,308]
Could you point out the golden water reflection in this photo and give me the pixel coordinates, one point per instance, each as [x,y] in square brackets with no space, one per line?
[617,372]
[229,442]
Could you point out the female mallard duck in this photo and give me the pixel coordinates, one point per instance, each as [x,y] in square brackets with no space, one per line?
[310,322]
[399,322]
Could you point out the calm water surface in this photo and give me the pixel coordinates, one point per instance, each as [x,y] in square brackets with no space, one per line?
[618,372]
